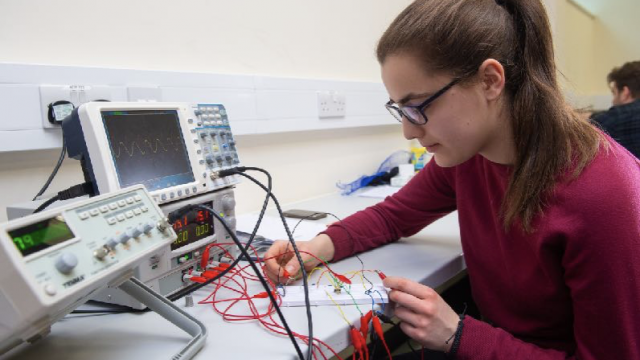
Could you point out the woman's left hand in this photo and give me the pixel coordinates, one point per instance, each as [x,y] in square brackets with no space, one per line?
[425,316]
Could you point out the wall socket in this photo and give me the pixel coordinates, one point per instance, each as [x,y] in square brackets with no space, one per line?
[331,104]
[76,94]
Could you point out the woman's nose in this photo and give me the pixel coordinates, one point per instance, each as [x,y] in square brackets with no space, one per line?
[411,131]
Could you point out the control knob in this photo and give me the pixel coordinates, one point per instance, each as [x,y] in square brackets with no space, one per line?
[231,221]
[147,228]
[135,232]
[66,262]
[123,238]
[228,202]
[111,243]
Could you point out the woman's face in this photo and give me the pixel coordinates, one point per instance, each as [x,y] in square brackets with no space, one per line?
[461,122]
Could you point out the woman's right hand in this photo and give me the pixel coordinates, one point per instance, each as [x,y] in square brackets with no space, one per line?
[282,264]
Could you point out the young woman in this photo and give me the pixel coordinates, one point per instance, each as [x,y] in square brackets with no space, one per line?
[549,207]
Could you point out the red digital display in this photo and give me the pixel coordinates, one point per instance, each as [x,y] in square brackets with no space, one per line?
[195,225]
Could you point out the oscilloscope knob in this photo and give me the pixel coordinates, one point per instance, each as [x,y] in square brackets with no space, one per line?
[228,203]
[66,262]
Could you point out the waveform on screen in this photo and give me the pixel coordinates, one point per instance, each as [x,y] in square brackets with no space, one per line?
[147,147]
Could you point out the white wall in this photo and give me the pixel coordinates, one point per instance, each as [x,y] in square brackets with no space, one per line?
[330,39]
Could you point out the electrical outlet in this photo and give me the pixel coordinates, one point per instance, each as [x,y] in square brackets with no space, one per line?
[331,104]
[76,94]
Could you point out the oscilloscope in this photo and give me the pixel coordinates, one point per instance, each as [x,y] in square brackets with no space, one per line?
[174,149]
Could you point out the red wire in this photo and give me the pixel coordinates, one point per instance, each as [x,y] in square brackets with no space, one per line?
[236,282]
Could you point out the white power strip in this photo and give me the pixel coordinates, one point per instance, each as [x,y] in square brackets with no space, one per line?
[326,295]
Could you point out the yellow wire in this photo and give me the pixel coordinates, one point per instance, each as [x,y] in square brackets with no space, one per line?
[339,308]
[311,272]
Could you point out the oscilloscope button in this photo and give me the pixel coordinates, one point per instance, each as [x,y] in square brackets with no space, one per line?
[179,192]
[83,215]
[163,197]
[194,189]
[172,195]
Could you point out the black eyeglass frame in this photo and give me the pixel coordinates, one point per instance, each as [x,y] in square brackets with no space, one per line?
[398,113]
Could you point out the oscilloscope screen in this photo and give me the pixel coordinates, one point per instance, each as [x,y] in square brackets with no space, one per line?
[148,148]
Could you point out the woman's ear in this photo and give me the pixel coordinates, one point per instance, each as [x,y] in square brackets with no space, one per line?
[492,77]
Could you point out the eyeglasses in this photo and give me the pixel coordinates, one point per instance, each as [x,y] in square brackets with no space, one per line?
[415,114]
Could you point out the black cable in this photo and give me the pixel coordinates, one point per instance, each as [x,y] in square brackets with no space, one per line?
[295,250]
[260,277]
[63,153]
[46,203]
[69,193]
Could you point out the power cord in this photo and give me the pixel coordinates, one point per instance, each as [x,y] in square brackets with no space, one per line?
[70,193]
[63,153]
[240,171]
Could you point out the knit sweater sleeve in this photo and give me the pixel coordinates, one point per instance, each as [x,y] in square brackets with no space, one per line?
[426,198]
[600,237]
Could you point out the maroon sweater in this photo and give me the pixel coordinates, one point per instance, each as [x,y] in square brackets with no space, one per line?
[570,290]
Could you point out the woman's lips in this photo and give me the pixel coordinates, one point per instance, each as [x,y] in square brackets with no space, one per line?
[432,148]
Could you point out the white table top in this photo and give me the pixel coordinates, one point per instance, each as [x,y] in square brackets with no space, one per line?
[431,257]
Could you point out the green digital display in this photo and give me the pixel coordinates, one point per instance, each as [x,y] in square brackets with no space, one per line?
[38,236]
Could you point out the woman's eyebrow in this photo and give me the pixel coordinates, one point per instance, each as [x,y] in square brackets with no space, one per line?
[411,96]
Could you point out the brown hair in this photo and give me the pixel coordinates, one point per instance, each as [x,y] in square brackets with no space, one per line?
[627,75]
[457,36]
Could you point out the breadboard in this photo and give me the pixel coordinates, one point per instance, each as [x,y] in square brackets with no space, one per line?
[326,295]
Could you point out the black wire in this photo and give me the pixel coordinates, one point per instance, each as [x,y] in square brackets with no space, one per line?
[55,170]
[259,275]
[296,252]
[188,290]
[46,203]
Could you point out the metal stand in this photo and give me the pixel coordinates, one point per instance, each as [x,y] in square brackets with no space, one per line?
[171,312]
